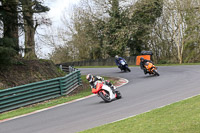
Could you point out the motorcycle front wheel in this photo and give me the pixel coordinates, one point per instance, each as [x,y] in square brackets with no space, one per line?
[105,96]
[128,69]
[156,73]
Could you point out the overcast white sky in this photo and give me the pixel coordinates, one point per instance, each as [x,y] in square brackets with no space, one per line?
[56,11]
[58,6]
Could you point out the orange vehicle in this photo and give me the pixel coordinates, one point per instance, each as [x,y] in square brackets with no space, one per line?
[151,69]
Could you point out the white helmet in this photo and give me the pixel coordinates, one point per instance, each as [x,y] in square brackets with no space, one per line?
[89,77]
[116,56]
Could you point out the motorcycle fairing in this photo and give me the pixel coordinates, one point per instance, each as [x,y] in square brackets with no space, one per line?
[98,88]
[108,89]
[150,67]
[122,62]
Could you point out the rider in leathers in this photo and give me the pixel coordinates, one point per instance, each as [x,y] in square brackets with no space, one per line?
[142,64]
[117,61]
[92,79]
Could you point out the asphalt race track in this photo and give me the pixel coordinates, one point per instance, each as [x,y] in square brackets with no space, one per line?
[143,93]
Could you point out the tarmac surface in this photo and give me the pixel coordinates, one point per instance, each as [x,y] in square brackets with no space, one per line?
[141,94]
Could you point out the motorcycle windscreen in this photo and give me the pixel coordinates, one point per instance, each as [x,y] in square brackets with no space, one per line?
[98,88]
[148,65]
[122,62]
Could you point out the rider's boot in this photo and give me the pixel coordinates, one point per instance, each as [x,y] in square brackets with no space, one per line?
[145,71]
[113,89]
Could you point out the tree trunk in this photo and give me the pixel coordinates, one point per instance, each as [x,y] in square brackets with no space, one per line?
[177,35]
[29,41]
[29,31]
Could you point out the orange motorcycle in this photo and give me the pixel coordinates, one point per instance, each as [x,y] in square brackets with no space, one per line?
[151,69]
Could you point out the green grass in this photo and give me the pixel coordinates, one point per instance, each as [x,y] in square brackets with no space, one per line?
[178,64]
[180,117]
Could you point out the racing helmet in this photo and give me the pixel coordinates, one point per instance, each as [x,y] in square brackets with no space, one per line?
[89,77]
[142,59]
[116,56]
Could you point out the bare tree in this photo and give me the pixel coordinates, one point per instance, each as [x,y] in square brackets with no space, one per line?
[174,31]
[29,8]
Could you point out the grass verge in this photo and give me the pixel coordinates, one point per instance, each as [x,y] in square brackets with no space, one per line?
[180,117]
[84,91]
[178,64]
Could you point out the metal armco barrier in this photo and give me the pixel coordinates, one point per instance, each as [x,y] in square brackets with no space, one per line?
[20,96]
[67,69]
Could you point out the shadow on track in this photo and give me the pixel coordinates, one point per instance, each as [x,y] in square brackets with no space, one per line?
[103,102]
[147,76]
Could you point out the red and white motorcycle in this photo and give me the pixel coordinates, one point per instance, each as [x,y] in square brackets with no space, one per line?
[105,92]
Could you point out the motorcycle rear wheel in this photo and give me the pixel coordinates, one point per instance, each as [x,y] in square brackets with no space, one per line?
[105,97]
[118,94]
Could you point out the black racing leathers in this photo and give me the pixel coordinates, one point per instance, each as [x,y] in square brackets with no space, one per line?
[95,78]
[98,78]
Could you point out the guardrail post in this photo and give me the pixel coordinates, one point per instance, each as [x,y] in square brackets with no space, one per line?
[61,87]
[79,77]
[70,69]
[61,67]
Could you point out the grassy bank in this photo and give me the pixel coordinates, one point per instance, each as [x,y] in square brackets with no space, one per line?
[178,64]
[180,117]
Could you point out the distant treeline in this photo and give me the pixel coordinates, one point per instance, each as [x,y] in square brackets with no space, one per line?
[103,29]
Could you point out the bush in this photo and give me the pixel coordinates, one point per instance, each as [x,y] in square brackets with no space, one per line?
[7,51]
[162,62]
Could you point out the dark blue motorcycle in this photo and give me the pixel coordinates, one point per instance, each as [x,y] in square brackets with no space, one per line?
[124,66]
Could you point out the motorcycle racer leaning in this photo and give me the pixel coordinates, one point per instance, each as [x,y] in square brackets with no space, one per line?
[117,61]
[92,79]
[142,63]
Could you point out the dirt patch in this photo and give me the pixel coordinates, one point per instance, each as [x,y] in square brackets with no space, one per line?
[28,72]
[84,87]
